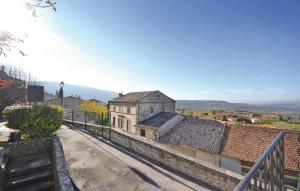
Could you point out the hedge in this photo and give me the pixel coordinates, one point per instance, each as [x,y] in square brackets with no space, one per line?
[34,121]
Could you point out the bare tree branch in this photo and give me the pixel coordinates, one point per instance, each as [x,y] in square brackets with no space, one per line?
[8,40]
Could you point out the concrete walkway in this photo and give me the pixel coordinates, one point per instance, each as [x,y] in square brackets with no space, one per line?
[95,164]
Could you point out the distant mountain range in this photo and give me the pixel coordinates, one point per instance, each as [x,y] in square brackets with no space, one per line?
[218,105]
[103,95]
[83,91]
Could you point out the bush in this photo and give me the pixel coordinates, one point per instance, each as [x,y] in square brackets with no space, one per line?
[224,118]
[34,122]
[243,120]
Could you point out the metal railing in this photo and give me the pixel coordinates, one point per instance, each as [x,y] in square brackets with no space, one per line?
[268,171]
[85,117]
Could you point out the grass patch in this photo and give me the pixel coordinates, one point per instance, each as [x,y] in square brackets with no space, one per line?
[295,126]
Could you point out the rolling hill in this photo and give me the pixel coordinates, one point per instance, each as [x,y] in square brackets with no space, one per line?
[218,105]
[83,91]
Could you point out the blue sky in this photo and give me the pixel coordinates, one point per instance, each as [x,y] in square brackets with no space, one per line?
[240,51]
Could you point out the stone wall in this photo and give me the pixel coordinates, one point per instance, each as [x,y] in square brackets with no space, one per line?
[60,171]
[21,148]
[150,132]
[199,171]
[144,109]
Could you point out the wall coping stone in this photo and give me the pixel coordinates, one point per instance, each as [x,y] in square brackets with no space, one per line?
[61,174]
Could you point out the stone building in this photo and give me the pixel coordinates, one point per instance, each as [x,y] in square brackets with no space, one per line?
[126,111]
[69,102]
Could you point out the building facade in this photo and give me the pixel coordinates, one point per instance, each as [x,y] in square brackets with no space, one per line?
[69,102]
[126,111]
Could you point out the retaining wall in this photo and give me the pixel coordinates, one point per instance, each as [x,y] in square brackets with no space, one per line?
[199,171]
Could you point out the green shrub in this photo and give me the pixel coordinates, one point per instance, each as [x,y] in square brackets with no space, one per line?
[34,122]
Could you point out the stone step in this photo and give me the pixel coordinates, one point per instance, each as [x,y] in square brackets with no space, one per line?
[28,164]
[28,178]
[39,186]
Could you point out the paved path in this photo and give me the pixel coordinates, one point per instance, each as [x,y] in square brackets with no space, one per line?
[95,164]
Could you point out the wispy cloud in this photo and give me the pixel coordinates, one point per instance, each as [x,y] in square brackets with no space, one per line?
[247,90]
[261,77]
[205,92]
[276,89]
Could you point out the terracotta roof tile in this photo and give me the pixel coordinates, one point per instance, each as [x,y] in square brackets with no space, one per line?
[247,143]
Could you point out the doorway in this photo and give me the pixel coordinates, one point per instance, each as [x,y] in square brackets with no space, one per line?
[143,132]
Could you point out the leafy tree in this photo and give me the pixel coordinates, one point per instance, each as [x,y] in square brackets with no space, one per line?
[281,118]
[96,109]
[243,120]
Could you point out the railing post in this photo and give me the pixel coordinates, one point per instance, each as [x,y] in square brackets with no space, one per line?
[109,127]
[85,115]
[72,117]
[102,123]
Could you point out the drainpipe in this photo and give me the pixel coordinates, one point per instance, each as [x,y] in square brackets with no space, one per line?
[138,112]
[109,117]
[138,117]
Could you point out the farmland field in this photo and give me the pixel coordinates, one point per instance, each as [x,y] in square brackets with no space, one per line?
[295,126]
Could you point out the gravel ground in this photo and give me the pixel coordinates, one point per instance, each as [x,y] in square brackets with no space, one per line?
[95,165]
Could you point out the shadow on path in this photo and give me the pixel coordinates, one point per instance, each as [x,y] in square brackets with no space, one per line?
[144,177]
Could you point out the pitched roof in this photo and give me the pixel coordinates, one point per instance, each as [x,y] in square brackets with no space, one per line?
[132,97]
[5,76]
[247,143]
[205,135]
[158,119]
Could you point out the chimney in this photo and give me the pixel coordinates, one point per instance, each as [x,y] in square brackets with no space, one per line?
[121,94]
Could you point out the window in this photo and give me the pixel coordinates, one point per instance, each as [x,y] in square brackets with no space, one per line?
[114,121]
[128,109]
[128,125]
[114,108]
[119,122]
[151,110]
[122,123]
[143,132]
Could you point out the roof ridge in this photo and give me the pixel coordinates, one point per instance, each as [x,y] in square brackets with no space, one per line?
[150,93]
